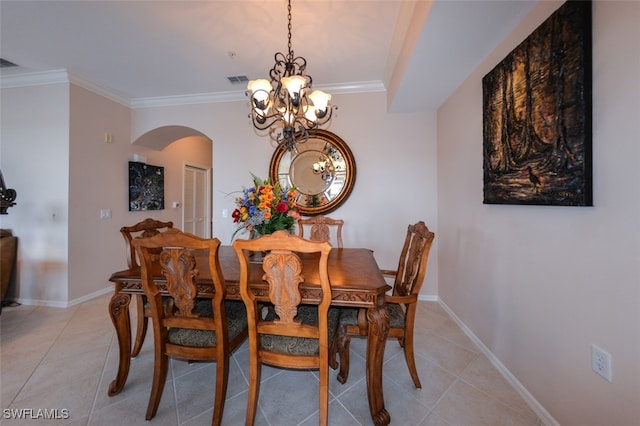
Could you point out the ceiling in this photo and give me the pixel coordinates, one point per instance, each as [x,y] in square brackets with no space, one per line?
[159,50]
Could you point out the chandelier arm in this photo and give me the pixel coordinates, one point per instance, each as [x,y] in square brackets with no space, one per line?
[265,122]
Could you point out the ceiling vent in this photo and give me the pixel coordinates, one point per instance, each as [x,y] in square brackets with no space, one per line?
[6,64]
[238,79]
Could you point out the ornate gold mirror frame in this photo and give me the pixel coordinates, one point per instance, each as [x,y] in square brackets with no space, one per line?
[323,169]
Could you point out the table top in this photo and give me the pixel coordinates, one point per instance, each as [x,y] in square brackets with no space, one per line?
[354,274]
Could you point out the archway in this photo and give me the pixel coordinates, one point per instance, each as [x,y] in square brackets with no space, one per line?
[161,137]
[187,155]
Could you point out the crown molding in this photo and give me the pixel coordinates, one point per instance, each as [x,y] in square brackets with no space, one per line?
[239,96]
[200,98]
[61,76]
[38,78]
[64,76]
[100,90]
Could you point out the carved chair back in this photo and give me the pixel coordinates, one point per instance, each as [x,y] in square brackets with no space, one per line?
[147,228]
[321,228]
[413,260]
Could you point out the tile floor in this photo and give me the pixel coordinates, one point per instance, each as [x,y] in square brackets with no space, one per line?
[64,359]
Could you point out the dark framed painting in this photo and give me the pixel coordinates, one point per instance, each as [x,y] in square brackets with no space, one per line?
[537,116]
[146,187]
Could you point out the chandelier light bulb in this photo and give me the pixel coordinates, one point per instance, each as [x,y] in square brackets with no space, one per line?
[259,90]
[320,101]
[294,85]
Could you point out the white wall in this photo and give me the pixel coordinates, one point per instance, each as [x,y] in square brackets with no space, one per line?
[539,285]
[34,158]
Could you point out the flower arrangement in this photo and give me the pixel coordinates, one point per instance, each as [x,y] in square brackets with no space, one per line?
[266,207]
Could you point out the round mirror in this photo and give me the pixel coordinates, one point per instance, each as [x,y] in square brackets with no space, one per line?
[322,169]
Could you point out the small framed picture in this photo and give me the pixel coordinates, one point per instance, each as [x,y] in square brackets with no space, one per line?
[146,187]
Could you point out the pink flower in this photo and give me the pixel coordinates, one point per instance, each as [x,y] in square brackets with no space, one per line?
[294,214]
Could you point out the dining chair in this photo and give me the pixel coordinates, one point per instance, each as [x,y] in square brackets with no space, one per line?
[146,228]
[188,324]
[291,334]
[400,305]
[321,228]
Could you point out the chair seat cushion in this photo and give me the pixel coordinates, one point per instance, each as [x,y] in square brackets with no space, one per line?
[349,316]
[236,323]
[308,314]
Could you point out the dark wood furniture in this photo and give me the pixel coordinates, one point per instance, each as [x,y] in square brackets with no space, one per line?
[186,324]
[146,228]
[401,305]
[7,196]
[8,255]
[291,335]
[356,281]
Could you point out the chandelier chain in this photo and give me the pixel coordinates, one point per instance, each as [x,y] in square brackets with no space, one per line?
[289,27]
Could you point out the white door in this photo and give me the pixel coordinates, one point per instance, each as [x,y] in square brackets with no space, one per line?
[196,201]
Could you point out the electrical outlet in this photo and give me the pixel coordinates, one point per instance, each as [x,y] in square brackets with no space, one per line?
[601,362]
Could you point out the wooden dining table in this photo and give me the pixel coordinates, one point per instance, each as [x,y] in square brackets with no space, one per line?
[356,281]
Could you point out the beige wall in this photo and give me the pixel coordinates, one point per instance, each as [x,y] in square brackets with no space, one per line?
[54,154]
[97,180]
[539,285]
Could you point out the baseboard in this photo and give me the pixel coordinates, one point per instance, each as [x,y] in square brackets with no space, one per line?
[91,296]
[542,413]
[428,298]
[64,304]
[39,302]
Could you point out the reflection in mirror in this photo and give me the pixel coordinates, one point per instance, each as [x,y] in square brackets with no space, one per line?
[322,169]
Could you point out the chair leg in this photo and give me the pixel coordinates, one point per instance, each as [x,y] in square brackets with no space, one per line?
[333,354]
[344,344]
[254,389]
[160,367]
[222,378]
[411,361]
[324,394]
[141,325]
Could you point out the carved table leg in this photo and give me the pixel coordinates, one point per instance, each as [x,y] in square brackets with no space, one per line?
[376,341]
[141,325]
[119,311]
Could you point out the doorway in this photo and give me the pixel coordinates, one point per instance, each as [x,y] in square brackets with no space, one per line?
[196,217]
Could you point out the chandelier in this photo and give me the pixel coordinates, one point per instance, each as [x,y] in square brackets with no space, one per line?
[285,104]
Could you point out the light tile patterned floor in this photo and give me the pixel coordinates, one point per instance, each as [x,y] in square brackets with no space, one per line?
[53,358]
